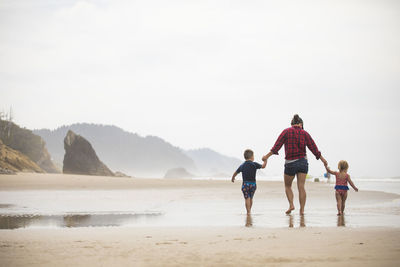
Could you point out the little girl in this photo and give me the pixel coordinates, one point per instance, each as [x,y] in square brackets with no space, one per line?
[341,184]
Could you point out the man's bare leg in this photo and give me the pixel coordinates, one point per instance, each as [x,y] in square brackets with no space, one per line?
[289,192]
[301,180]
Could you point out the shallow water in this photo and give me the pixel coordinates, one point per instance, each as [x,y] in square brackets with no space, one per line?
[157,219]
[183,207]
[73,220]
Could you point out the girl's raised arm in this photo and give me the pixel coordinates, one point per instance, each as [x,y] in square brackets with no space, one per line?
[330,171]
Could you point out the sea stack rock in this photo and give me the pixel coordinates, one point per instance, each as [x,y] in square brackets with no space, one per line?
[178,173]
[80,157]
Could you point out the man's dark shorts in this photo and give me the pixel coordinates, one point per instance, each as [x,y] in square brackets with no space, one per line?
[297,166]
[248,189]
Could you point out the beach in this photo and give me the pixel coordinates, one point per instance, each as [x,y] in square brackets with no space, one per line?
[49,220]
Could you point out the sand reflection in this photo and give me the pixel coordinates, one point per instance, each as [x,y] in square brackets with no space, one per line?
[302,221]
[249,221]
[76,220]
[341,221]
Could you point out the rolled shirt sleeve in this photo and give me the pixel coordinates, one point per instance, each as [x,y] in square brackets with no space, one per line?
[279,142]
[312,146]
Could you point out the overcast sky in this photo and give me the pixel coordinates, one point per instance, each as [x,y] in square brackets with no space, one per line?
[228,75]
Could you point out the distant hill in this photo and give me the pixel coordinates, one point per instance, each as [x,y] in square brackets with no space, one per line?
[210,162]
[29,144]
[121,150]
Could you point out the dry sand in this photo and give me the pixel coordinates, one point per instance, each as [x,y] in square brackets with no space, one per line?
[194,246]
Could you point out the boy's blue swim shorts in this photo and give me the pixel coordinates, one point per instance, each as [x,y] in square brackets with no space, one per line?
[248,189]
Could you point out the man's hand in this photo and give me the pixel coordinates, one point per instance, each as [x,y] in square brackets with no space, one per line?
[233,179]
[324,161]
[267,156]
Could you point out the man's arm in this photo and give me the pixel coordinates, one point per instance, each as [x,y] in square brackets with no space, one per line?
[264,164]
[352,184]
[313,147]
[279,143]
[265,158]
[233,176]
[277,146]
[323,161]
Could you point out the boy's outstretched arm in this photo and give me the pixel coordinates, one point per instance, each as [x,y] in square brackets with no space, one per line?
[329,170]
[233,176]
[352,184]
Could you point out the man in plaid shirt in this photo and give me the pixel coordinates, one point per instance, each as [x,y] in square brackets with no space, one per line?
[295,139]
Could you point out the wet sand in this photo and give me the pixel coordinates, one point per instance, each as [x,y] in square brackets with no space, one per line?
[195,246]
[202,223]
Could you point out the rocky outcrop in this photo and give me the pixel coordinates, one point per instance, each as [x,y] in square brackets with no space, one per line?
[80,157]
[121,174]
[124,151]
[12,161]
[178,173]
[29,144]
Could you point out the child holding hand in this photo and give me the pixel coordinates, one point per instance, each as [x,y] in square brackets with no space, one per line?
[342,178]
[248,170]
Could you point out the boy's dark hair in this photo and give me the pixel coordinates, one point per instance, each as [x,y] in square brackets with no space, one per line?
[248,153]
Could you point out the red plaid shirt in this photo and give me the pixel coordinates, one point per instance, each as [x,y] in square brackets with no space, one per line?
[295,140]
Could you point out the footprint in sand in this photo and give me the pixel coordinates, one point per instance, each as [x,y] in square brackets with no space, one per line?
[163,243]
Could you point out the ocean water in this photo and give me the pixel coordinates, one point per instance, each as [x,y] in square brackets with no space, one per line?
[388,185]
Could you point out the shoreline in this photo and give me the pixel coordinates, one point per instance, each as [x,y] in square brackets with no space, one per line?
[49,181]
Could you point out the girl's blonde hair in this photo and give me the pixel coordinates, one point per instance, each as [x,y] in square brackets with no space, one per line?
[343,165]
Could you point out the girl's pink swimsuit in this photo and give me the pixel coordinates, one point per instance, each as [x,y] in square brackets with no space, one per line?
[341,184]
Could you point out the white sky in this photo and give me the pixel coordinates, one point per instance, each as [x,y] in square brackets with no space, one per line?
[228,75]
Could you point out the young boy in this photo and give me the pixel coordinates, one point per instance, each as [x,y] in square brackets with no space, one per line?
[248,170]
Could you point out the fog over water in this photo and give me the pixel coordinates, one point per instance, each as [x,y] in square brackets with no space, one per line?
[228,75]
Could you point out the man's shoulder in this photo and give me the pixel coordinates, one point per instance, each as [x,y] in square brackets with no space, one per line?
[289,129]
